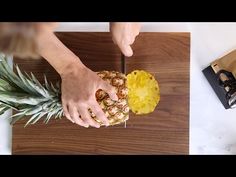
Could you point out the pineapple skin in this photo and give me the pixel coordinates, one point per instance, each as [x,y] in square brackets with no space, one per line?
[117,112]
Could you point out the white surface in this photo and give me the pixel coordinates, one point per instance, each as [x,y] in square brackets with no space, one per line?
[212,128]
[5,134]
[104,27]
[6,129]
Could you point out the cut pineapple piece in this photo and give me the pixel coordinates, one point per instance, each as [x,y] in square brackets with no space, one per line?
[144,92]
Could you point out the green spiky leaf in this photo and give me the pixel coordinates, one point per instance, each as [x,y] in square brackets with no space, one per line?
[27,96]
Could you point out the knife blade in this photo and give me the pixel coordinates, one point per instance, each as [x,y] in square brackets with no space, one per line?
[123,64]
[123,70]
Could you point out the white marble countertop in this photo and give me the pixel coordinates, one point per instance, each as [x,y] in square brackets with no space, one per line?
[212,128]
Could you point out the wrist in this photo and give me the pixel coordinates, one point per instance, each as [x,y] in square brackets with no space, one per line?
[72,67]
[57,54]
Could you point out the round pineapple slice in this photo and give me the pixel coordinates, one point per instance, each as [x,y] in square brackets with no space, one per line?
[143,92]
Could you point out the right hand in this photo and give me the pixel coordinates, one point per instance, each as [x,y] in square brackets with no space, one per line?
[124,34]
[79,85]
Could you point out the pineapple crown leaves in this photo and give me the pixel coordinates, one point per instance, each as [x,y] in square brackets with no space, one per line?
[27,95]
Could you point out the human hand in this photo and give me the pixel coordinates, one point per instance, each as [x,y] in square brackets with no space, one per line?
[79,85]
[124,34]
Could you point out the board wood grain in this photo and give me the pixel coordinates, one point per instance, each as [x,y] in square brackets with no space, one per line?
[165,131]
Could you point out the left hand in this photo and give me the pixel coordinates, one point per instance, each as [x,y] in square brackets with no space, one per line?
[124,34]
[79,86]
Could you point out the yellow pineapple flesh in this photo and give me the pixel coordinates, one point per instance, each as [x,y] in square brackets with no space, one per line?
[144,92]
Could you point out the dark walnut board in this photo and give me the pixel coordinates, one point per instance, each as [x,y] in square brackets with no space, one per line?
[165,131]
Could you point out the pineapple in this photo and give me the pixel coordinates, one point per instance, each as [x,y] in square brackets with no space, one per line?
[116,111]
[137,91]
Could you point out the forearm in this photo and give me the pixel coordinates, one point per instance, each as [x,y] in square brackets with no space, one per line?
[56,53]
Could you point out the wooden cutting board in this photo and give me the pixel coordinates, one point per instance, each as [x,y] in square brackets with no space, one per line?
[165,131]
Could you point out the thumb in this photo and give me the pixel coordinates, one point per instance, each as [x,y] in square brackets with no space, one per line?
[126,50]
[110,90]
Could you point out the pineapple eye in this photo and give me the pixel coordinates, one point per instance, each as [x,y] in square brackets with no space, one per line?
[150,78]
[135,73]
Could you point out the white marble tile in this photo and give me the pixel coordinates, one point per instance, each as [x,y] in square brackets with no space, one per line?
[212,128]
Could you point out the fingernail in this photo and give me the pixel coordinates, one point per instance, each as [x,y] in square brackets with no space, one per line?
[129,53]
[96,125]
[115,98]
